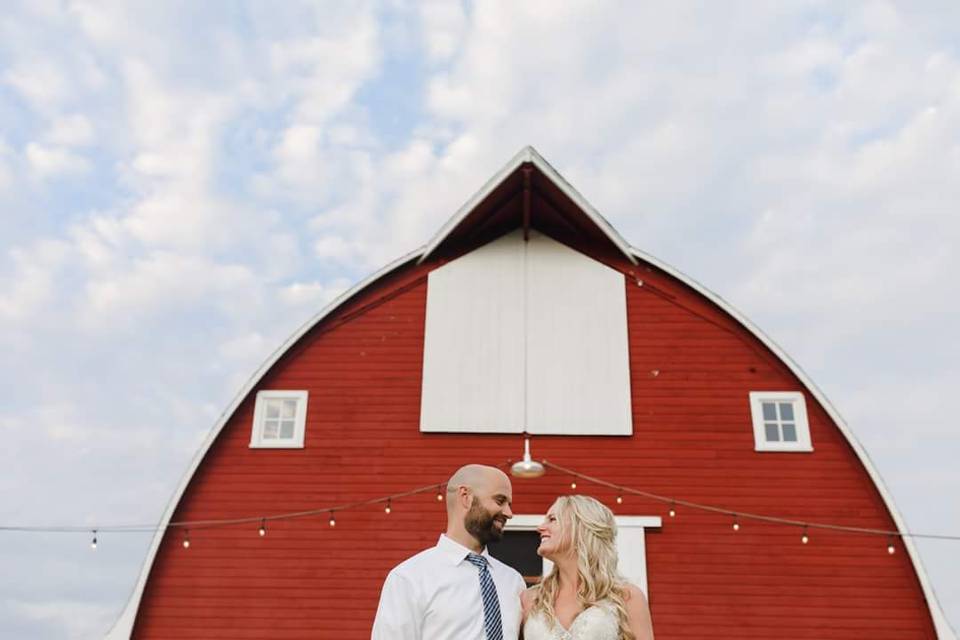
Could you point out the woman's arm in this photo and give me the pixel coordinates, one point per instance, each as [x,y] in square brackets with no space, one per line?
[526,601]
[527,597]
[638,613]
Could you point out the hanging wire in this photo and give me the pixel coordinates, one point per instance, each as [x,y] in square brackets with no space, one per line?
[744,515]
[621,490]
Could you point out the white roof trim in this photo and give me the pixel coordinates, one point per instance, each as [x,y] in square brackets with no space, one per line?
[123,627]
[529,154]
[940,622]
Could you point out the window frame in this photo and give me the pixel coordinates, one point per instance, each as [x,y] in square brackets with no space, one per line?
[257,441]
[631,543]
[803,443]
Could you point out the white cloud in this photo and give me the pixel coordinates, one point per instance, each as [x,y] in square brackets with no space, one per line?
[48,161]
[73,618]
[70,131]
[245,347]
[6,161]
[313,294]
[444,27]
[163,280]
[41,82]
[32,282]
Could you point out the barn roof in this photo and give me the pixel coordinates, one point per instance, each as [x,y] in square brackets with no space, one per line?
[498,199]
[498,207]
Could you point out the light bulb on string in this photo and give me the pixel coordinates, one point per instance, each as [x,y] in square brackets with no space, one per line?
[673,510]
[93,543]
[736,523]
[387,508]
[619,499]
[263,527]
[440,493]
[804,538]
[891,549]
[186,538]
[333,520]
[573,484]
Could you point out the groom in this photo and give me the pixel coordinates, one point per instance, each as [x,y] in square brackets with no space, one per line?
[457,590]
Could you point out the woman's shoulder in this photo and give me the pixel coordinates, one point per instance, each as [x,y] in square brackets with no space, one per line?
[631,591]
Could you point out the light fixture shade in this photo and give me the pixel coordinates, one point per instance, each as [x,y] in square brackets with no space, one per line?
[528,467]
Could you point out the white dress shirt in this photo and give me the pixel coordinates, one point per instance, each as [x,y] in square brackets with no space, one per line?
[435,595]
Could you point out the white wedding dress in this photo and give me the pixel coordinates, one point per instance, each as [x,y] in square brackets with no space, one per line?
[598,622]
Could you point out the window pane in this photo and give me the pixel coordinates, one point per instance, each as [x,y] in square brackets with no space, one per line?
[273,409]
[769,411]
[289,408]
[773,434]
[270,428]
[286,429]
[786,411]
[789,432]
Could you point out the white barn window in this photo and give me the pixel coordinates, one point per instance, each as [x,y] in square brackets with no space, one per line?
[279,419]
[780,421]
[631,544]
[526,336]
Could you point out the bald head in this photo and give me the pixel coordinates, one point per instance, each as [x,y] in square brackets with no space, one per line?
[478,478]
[478,504]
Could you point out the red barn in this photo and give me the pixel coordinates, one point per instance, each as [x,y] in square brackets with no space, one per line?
[527,312]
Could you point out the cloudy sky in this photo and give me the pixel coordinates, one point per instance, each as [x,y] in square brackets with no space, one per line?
[183,184]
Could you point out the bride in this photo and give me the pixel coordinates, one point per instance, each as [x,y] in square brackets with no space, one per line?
[583,598]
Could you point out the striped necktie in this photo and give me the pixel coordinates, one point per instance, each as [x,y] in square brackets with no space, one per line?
[491,604]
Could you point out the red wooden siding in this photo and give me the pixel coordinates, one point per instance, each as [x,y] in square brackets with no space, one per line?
[692,439]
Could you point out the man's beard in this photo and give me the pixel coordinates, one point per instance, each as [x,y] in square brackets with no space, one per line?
[481,524]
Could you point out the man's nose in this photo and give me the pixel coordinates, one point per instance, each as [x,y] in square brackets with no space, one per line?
[507,511]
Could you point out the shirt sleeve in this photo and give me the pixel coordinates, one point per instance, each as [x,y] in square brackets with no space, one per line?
[399,615]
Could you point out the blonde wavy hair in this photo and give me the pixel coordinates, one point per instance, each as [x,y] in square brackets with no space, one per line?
[588,528]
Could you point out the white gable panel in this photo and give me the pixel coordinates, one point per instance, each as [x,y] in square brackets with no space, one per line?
[542,308]
[578,371]
[473,346]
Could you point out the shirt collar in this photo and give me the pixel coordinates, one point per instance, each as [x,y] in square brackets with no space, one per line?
[456,552]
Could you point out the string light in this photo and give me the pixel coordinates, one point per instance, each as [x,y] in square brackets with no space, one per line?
[673,502]
[621,492]
[573,484]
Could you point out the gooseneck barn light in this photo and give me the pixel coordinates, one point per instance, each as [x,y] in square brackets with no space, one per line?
[528,467]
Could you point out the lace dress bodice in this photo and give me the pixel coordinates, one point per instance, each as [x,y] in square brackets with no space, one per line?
[598,622]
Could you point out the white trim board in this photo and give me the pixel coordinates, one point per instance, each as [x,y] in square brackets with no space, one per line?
[631,543]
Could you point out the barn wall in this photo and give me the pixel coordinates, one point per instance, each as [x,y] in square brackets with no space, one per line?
[692,368]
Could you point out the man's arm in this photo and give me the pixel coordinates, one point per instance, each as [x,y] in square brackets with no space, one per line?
[399,616]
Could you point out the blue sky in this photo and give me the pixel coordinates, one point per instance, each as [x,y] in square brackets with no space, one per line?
[183,185]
